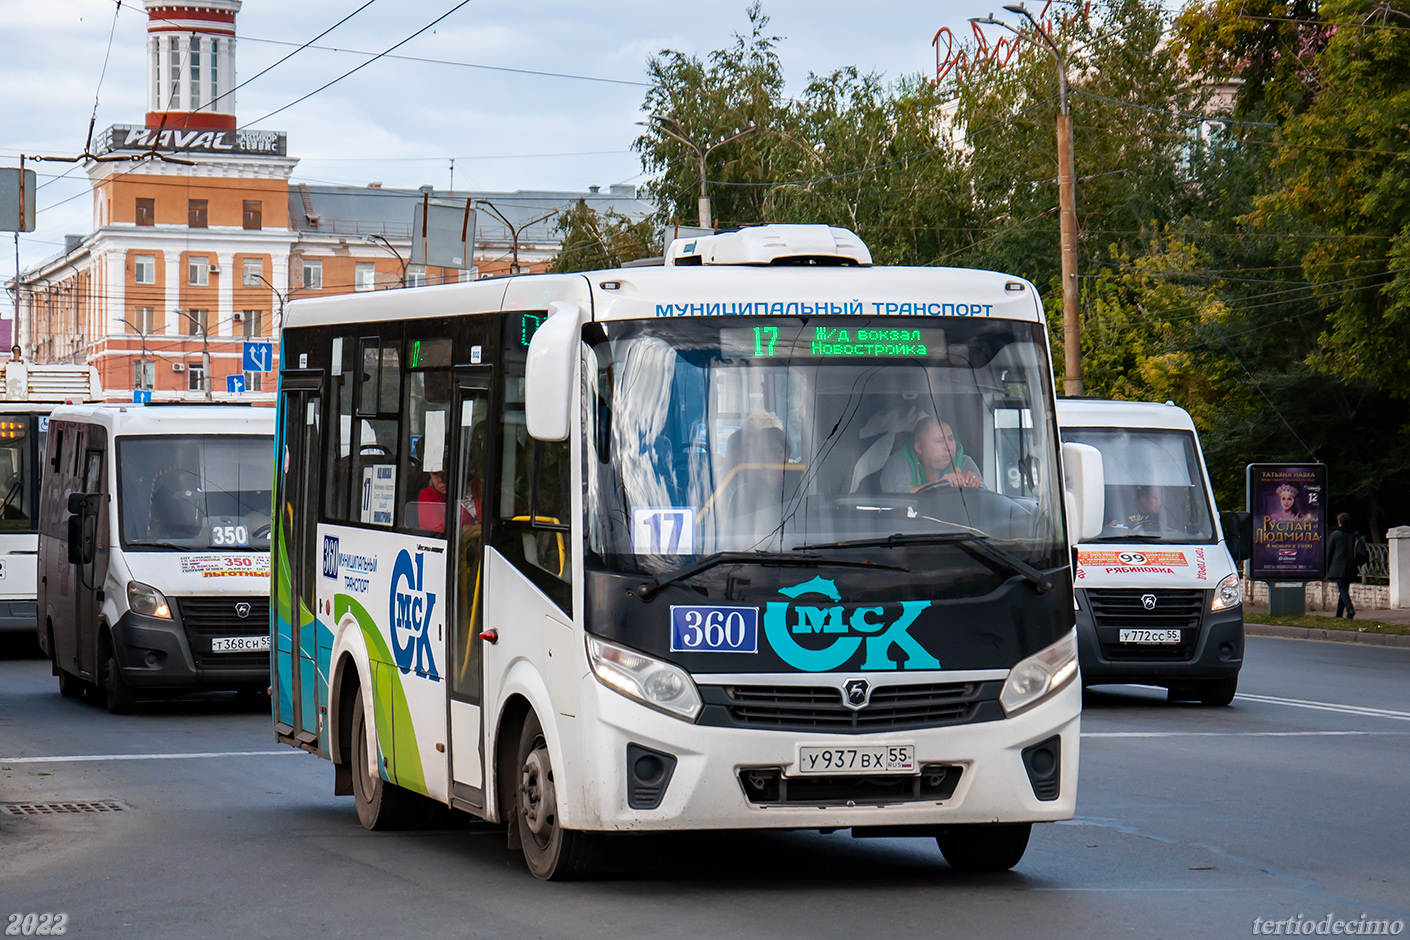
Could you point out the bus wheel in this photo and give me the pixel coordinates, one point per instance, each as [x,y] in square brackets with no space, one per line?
[552,852]
[1218,692]
[380,805]
[984,847]
[117,694]
[70,685]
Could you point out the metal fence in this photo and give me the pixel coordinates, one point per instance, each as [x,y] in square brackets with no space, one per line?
[1377,570]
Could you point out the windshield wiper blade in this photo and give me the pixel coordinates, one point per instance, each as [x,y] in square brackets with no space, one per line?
[651,588]
[972,542]
[1131,538]
[171,545]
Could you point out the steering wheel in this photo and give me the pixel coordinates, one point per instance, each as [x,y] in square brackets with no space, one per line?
[932,487]
[262,532]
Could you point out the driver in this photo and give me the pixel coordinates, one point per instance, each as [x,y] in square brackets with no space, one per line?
[933,457]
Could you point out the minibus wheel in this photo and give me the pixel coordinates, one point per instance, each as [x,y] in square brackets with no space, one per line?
[70,685]
[1219,692]
[551,852]
[984,846]
[118,695]
[380,805]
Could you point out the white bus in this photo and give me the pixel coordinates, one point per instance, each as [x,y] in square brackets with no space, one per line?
[154,549]
[27,394]
[765,537]
[1158,593]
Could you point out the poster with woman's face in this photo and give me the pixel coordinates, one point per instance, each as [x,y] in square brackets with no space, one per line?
[1289,521]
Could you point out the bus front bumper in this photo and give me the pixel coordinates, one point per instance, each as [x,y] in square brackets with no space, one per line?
[707,790]
[154,653]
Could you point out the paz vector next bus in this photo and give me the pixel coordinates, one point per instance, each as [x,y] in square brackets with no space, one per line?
[762,537]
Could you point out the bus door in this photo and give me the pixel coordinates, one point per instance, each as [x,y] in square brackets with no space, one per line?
[468,507]
[295,659]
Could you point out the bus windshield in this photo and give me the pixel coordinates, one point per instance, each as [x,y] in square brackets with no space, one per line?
[17,455]
[197,493]
[1155,488]
[810,433]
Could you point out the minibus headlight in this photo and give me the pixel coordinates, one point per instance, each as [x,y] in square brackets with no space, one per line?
[650,681]
[145,599]
[1040,675]
[1228,594]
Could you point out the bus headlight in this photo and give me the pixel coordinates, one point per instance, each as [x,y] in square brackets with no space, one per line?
[1228,594]
[145,599]
[1040,675]
[652,682]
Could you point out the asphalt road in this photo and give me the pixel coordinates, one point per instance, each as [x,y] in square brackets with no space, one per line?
[1192,822]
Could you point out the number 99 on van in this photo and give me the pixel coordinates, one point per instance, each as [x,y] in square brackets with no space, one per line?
[714,629]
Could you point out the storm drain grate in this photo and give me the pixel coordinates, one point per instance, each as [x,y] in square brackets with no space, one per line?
[50,809]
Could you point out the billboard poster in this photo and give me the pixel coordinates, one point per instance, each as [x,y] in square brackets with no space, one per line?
[1287,502]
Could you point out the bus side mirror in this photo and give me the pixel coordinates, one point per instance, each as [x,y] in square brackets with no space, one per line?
[551,375]
[83,527]
[1238,535]
[1084,490]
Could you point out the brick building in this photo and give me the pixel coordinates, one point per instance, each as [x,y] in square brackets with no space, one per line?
[195,254]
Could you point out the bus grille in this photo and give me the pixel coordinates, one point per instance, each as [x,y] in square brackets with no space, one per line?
[1114,608]
[820,708]
[207,617]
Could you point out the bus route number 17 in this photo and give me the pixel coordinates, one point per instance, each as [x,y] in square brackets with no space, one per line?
[668,530]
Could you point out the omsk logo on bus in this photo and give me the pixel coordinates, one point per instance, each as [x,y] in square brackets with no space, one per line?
[818,637]
[411,608]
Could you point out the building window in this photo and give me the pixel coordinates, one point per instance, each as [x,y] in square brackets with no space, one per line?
[416,275]
[196,213]
[253,322]
[156,75]
[252,271]
[144,320]
[313,275]
[198,270]
[195,73]
[197,322]
[174,68]
[144,269]
[254,217]
[146,212]
[468,274]
[215,74]
[254,381]
[366,276]
[195,377]
[144,374]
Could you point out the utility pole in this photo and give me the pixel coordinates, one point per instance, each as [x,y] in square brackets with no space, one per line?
[205,348]
[1067,205]
[143,370]
[664,124]
[514,232]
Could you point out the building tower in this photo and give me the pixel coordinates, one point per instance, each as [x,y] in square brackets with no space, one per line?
[191,63]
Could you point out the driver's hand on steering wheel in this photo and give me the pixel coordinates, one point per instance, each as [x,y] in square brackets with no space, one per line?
[963,478]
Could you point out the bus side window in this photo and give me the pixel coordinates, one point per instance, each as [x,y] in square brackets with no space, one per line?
[340,405]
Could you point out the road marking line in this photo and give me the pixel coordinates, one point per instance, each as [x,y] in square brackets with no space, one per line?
[98,757]
[1361,710]
[1235,734]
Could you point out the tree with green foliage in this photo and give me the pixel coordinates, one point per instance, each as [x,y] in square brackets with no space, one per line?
[595,241]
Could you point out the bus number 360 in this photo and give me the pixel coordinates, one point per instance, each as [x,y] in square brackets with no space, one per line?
[715,629]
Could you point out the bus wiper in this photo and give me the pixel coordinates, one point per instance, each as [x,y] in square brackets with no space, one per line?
[1130,538]
[171,545]
[972,542]
[651,588]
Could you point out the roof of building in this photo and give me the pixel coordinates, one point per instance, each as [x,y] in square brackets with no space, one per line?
[373,210]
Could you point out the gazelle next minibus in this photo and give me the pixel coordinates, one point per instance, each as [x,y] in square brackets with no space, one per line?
[763,537]
[154,549]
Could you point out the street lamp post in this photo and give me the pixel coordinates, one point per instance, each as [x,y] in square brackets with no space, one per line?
[514,232]
[706,219]
[278,295]
[393,249]
[1067,205]
[143,370]
[205,348]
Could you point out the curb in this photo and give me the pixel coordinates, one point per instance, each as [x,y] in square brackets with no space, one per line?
[1342,636]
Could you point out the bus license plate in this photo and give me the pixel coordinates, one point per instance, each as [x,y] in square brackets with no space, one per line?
[863,759]
[239,644]
[1149,636]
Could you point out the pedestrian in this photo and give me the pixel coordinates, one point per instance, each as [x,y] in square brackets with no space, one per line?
[1346,552]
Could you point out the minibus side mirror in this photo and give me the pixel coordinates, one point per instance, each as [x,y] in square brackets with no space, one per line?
[83,527]
[1238,535]
[551,374]
[1084,490]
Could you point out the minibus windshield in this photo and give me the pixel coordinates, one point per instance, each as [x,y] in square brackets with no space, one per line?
[818,434]
[195,493]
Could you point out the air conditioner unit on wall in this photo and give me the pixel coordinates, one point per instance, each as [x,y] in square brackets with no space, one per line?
[215,269]
[178,367]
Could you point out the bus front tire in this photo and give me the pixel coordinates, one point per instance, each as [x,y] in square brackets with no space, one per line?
[117,694]
[70,685]
[381,806]
[1219,692]
[551,852]
[984,847]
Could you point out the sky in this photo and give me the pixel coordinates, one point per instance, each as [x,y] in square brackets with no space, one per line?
[400,122]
